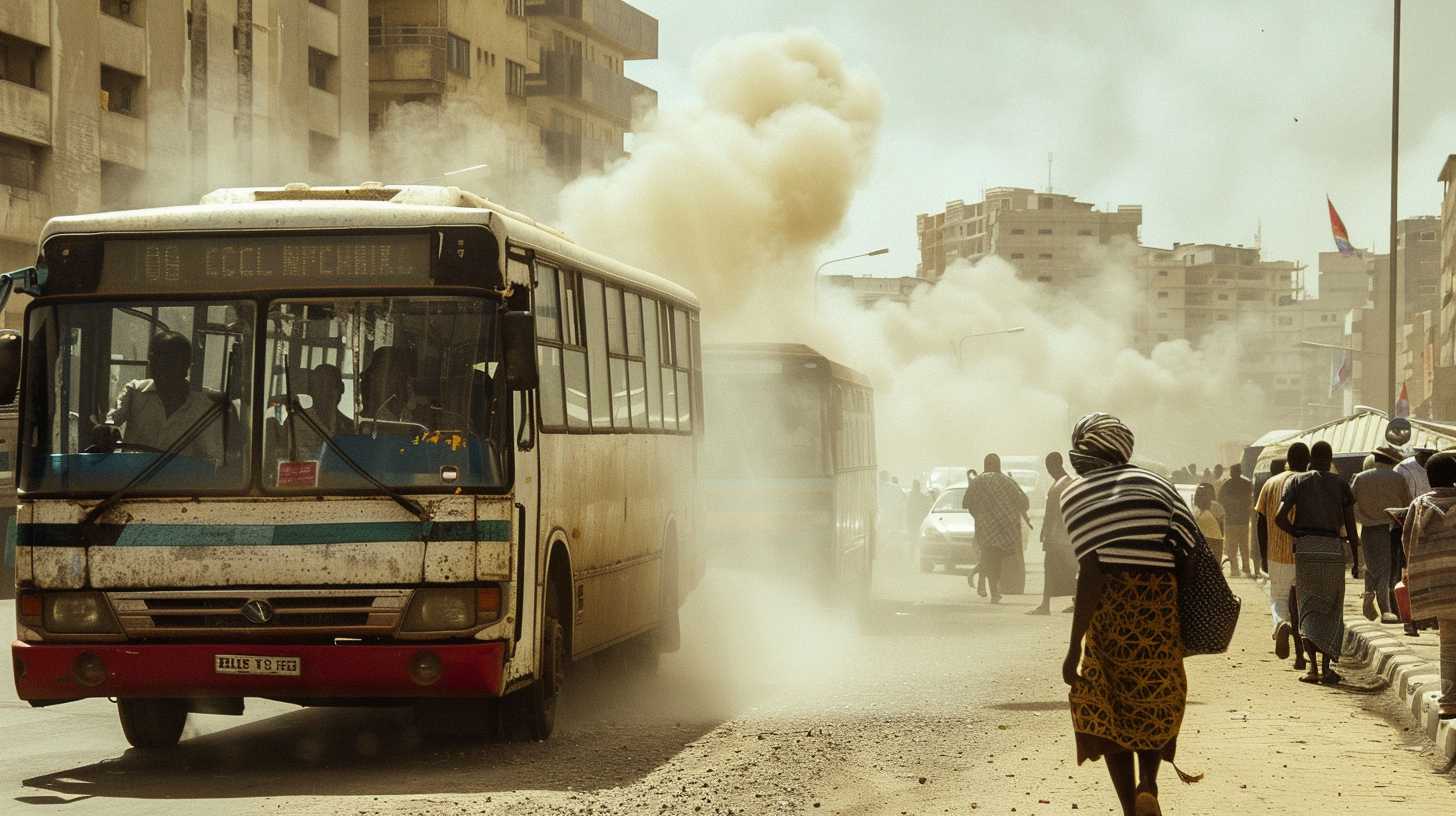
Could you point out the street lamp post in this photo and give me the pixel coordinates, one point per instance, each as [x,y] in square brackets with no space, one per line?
[959,346]
[1394,178]
[820,268]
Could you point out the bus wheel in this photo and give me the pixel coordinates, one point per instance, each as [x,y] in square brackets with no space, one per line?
[668,637]
[152,724]
[532,710]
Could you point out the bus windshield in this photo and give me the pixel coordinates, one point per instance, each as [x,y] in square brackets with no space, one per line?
[115,385]
[764,426]
[405,387]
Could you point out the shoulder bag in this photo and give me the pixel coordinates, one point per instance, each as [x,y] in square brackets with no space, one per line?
[1208,610]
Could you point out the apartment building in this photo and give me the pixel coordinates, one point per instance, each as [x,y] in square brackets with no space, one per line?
[109,104]
[579,96]
[1045,235]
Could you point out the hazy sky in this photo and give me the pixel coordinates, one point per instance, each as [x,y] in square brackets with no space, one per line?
[1213,116]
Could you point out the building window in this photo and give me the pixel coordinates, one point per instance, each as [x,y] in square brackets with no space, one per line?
[1162,338]
[516,8]
[1044,279]
[457,56]
[18,61]
[1162,295]
[1044,231]
[1162,273]
[1428,236]
[515,79]
[121,92]
[1045,256]
[121,9]
[376,31]
[322,70]
[1016,256]
[1018,231]
[17,164]
[1223,297]
[1084,232]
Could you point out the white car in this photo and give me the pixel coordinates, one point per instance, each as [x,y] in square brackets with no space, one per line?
[948,533]
[945,476]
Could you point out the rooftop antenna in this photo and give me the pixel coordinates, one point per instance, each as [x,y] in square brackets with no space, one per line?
[1049,172]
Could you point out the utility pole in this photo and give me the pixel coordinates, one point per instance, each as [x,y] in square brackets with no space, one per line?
[1394,184]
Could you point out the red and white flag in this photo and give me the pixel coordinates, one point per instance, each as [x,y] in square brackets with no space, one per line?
[1402,403]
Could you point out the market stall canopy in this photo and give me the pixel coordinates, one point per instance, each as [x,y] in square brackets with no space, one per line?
[1357,435]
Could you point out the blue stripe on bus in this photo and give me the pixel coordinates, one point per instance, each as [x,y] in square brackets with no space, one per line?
[220,535]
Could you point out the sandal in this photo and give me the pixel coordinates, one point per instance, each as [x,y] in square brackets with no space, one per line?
[1146,804]
[1331,679]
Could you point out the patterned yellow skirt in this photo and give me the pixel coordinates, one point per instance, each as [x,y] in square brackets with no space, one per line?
[1133,688]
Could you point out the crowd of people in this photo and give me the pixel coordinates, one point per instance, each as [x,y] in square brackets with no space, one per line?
[1113,536]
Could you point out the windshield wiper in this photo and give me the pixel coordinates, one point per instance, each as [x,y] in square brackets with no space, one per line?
[163,459]
[419,511]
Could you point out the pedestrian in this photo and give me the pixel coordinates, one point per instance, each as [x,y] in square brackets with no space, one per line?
[1430,550]
[998,505]
[1207,476]
[1210,517]
[1236,495]
[1317,509]
[1377,488]
[1413,468]
[1060,563]
[1125,660]
[917,507]
[1217,476]
[1276,551]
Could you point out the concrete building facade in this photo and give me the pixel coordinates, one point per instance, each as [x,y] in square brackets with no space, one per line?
[147,102]
[1045,235]
[871,289]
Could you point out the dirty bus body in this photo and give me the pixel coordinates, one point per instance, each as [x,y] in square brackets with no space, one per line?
[789,467]
[364,489]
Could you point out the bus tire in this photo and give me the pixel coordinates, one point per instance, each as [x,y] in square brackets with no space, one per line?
[532,710]
[668,637]
[151,724]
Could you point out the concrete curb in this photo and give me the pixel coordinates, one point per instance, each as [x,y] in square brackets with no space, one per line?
[1416,680]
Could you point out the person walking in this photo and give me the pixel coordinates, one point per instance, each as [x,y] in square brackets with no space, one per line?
[1210,518]
[1060,563]
[1236,495]
[1430,552]
[998,505]
[1325,508]
[1276,552]
[1413,469]
[1125,660]
[1375,489]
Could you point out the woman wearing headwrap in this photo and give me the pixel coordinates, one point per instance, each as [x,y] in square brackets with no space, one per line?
[1125,661]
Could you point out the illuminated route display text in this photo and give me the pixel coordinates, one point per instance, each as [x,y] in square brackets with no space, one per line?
[231,263]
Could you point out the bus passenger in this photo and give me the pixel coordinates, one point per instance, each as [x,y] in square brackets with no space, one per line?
[326,387]
[159,410]
[386,387]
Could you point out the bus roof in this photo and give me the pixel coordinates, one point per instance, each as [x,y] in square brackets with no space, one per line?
[798,350]
[300,206]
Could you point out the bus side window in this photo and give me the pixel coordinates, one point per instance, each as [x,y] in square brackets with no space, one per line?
[666,373]
[652,347]
[548,329]
[573,355]
[682,359]
[596,361]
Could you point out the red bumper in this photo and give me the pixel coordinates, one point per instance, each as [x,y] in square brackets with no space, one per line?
[48,671]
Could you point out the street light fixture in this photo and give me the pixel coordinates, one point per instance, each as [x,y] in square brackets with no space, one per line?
[820,268]
[959,345]
[1333,347]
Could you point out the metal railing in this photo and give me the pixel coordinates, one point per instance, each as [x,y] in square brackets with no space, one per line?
[621,25]
[432,39]
[594,86]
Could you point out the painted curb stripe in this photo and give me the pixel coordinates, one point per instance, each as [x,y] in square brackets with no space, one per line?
[222,535]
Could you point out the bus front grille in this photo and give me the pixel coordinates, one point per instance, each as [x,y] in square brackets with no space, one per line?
[263,613]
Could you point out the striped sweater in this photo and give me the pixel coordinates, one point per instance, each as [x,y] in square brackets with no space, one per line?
[1430,550]
[1128,517]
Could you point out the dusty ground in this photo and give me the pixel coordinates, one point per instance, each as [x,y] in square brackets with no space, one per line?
[944,705]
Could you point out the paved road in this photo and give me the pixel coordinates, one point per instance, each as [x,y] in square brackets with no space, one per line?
[944,704]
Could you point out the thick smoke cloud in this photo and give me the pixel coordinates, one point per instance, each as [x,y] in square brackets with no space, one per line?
[737,197]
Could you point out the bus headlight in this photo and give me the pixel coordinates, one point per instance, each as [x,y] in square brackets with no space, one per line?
[449,610]
[78,613]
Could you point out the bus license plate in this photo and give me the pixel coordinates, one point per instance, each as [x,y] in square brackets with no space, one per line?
[257,664]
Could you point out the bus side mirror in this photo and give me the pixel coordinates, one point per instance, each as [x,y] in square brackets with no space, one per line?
[518,333]
[9,365]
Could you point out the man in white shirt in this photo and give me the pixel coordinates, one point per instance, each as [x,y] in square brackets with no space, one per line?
[153,413]
[1413,468]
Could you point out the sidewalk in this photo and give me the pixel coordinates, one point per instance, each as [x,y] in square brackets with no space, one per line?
[1408,664]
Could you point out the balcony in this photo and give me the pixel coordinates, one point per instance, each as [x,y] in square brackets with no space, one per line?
[123,45]
[621,26]
[123,140]
[563,152]
[323,30]
[323,112]
[406,60]
[593,87]
[23,212]
[25,113]
[27,20]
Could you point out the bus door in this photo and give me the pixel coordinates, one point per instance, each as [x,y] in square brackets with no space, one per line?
[530,546]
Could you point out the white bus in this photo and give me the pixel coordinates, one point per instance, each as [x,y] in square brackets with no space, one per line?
[364,445]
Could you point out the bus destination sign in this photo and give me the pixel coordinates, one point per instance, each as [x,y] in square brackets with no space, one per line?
[242,262]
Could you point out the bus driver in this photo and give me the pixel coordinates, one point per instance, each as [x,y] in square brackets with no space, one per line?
[159,410]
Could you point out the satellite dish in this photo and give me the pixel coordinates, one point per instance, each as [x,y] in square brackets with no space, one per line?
[1398,432]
